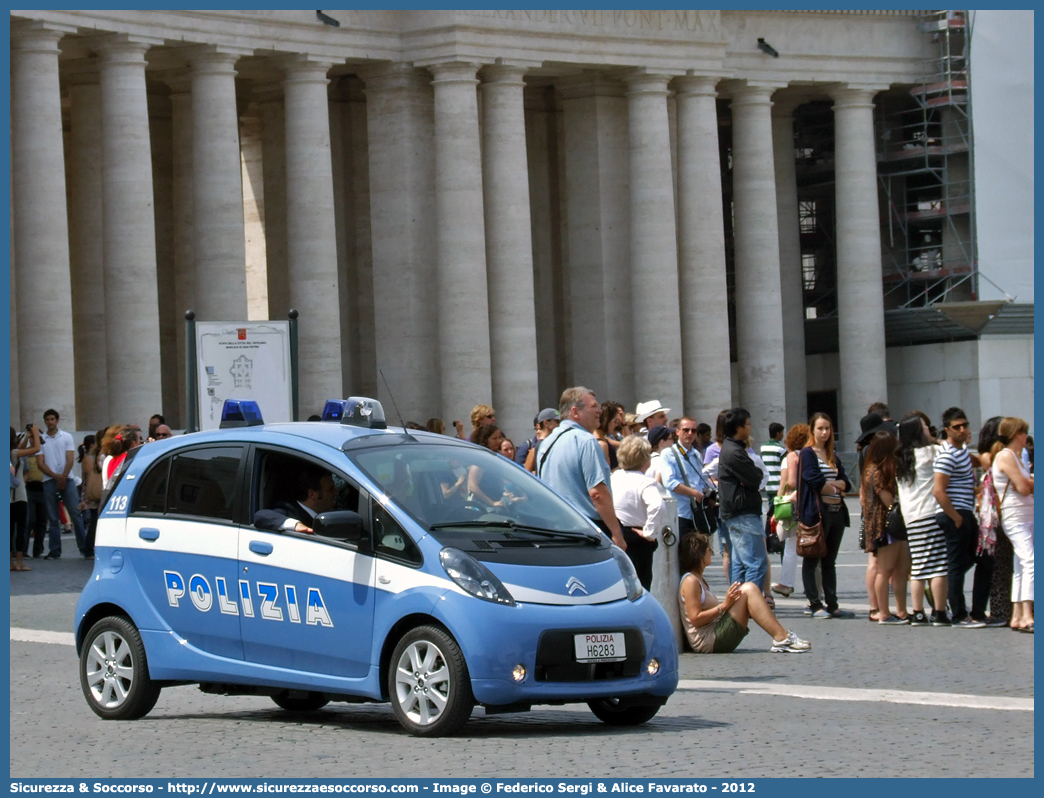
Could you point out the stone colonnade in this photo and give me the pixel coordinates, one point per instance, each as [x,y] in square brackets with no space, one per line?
[477,234]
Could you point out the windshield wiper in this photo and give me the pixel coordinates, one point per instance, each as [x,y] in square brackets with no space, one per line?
[517,527]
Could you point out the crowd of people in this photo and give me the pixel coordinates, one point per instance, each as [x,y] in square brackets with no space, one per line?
[931,507]
[47,497]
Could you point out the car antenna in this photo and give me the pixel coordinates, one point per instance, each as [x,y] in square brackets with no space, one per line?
[405,431]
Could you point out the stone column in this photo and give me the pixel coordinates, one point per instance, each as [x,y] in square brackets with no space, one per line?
[129,234]
[464,348]
[400,119]
[357,206]
[791,293]
[250,146]
[162,138]
[86,252]
[310,233]
[40,228]
[595,161]
[273,166]
[184,220]
[217,188]
[860,303]
[654,244]
[701,252]
[542,160]
[509,250]
[759,317]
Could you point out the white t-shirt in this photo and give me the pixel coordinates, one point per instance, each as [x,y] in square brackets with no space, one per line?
[916,499]
[53,450]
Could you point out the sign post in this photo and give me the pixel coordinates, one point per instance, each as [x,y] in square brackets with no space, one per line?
[240,360]
[190,372]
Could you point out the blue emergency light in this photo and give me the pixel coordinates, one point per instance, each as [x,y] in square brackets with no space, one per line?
[240,413]
[359,411]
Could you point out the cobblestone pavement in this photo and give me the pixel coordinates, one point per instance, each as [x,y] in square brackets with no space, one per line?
[700,733]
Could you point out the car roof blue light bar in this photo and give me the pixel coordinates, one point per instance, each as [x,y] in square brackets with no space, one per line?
[358,411]
[240,413]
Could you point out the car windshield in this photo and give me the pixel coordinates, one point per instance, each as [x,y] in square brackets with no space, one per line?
[465,486]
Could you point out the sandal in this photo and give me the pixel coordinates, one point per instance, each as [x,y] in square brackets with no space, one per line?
[23,567]
[871,615]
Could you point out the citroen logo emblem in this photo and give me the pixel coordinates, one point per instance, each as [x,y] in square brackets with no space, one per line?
[574,585]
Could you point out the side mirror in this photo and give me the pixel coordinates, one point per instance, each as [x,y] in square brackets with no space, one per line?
[339,525]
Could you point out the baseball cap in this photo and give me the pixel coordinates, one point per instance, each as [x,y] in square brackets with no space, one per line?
[547,414]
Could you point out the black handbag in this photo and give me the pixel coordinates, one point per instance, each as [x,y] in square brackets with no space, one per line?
[896,526]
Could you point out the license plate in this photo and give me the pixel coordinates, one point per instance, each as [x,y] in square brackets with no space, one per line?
[600,647]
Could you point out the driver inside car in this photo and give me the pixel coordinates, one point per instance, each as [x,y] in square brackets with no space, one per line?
[315,493]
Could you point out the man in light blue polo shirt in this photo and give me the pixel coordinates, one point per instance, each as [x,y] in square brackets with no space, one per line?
[572,463]
[682,471]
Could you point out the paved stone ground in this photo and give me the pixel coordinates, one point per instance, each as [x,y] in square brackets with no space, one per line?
[705,733]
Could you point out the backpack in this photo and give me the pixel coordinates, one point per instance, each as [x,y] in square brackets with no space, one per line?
[989,516]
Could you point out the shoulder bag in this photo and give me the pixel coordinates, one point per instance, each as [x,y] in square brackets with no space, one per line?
[699,516]
[811,540]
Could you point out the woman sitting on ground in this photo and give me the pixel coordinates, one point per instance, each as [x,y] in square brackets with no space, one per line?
[719,627]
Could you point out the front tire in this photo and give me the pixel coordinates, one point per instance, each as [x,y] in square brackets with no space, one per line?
[114,673]
[429,684]
[309,702]
[611,711]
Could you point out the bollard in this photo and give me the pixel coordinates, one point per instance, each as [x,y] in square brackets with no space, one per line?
[666,570]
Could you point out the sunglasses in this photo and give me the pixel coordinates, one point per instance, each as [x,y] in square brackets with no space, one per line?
[959,427]
[690,430]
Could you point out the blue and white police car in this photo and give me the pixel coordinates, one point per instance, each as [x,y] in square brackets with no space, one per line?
[345,561]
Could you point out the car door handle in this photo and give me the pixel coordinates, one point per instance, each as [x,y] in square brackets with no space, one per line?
[148,533]
[260,547]
[384,580]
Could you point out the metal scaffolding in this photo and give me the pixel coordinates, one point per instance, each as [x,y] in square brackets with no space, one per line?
[925,171]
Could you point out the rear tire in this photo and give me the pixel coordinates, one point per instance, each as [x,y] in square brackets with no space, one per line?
[114,674]
[310,702]
[609,710]
[428,683]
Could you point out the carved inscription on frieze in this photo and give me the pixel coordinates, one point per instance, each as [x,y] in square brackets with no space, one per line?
[687,20]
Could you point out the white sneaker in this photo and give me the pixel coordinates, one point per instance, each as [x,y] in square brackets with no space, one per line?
[792,644]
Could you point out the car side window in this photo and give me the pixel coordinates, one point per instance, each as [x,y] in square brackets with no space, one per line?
[389,538]
[276,482]
[151,495]
[202,482]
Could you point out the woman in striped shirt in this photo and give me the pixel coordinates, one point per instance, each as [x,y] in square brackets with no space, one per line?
[916,479]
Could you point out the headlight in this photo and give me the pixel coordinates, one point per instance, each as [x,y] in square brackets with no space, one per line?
[630,576]
[474,577]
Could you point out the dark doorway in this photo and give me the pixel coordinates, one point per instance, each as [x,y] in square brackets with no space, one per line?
[823,402]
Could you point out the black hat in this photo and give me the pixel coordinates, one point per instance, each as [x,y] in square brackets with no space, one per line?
[872,423]
[657,434]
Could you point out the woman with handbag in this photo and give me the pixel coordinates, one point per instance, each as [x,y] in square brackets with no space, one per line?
[783,507]
[90,468]
[1014,486]
[638,504]
[884,541]
[915,472]
[19,501]
[822,516]
[996,545]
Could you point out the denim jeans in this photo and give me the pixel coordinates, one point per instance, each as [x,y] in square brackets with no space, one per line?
[36,516]
[71,499]
[960,557]
[749,558]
